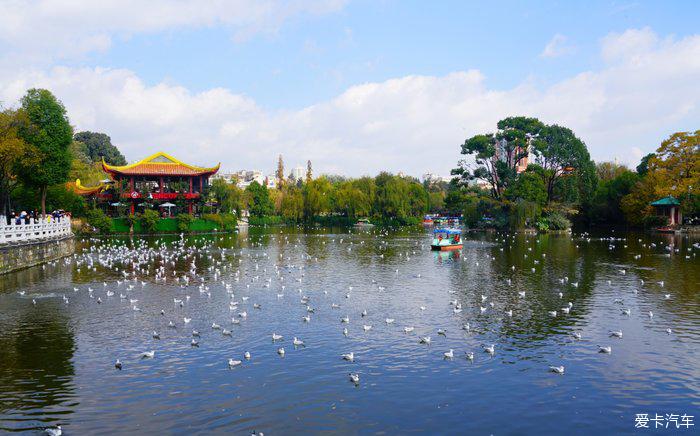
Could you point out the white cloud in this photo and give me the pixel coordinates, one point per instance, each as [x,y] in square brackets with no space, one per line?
[43,30]
[557,46]
[412,123]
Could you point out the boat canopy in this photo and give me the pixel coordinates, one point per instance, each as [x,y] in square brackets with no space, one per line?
[448,231]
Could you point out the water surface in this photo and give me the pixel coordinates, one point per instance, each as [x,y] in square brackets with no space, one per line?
[57,357]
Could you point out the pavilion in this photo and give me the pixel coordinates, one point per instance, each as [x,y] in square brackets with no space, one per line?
[669,207]
[157,181]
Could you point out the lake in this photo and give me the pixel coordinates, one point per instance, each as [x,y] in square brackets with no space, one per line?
[58,345]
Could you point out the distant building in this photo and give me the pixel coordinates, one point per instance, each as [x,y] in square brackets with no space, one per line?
[479,183]
[435,178]
[271,181]
[298,173]
[502,154]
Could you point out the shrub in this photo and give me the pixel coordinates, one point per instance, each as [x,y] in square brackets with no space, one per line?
[149,220]
[654,221]
[558,221]
[214,218]
[100,221]
[184,221]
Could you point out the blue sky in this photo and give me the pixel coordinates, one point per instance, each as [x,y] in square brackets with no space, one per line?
[314,58]
[299,63]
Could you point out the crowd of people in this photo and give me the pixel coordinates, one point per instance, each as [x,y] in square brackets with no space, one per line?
[34,216]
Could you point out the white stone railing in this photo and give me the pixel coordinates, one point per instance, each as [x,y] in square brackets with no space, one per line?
[36,231]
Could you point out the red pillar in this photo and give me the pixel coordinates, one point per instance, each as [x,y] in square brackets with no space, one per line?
[161,185]
[189,207]
[201,183]
[190,185]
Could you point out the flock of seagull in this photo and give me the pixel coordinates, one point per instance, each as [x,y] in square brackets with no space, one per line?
[183,264]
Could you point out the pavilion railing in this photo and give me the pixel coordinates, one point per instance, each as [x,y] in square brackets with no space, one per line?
[36,231]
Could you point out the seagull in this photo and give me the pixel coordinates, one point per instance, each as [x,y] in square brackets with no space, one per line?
[195,333]
[118,364]
[276,337]
[576,335]
[148,354]
[215,326]
[521,294]
[280,351]
[364,312]
[54,431]
[298,342]
[469,355]
[617,334]
[466,327]
[442,332]
[233,363]
[425,340]
[449,354]
[306,318]
[345,332]
[194,343]
[187,320]
[226,332]
[345,319]
[367,327]
[350,357]
[489,349]
[557,369]
[408,329]
[389,320]
[606,350]
[651,314]
[156,335]
[552,313]
[355,378]
[247,355]
[626,312]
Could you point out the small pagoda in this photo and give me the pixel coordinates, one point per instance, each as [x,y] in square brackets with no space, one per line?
[158,181]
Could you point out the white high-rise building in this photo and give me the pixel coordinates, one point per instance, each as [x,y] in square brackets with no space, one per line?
[298,173]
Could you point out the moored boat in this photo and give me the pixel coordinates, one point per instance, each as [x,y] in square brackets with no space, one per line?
[447,239]
[363,222]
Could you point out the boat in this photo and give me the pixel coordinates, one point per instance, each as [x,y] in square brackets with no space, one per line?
[428,220]
[447,239]
[363,222]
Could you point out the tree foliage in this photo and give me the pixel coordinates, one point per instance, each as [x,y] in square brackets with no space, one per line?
[98,146]
[50,134]
[259,202]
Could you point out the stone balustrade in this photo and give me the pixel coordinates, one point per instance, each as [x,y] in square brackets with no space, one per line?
[36,231]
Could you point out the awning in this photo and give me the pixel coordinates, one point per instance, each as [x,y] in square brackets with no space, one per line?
[167,205]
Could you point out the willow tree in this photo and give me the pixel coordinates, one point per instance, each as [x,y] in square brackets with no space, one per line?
[49,133]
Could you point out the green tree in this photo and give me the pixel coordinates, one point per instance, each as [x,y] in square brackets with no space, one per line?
[309,172]
[559,152]
[497,155]
[293,204]
[49,132]
[280,172]
[643,166]
[98,146]
[13,153]
[529,186]
[260,204]
[317,197]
